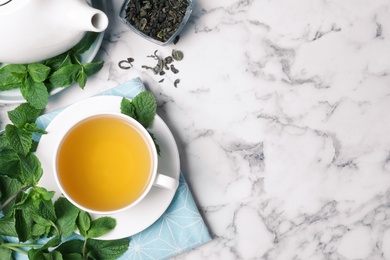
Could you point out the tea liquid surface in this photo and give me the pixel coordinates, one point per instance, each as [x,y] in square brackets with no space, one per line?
[104,163]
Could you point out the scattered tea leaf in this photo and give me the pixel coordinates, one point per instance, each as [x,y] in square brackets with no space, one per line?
[159,66]
[162,63]
[168,60]
[177,55]
[176,82]
[173,69]
[176,40]
[126,64]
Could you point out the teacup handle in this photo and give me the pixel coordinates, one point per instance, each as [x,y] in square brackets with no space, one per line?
[166,182]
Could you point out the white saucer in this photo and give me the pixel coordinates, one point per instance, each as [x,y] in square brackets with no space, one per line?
[145,213]
[14,96]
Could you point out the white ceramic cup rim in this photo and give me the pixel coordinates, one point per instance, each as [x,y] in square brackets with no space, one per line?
[154,158]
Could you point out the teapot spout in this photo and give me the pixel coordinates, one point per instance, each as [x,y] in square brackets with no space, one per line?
[99,22]
[83,17]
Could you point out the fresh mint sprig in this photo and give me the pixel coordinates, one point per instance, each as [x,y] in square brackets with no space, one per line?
[142,108]
[36,80]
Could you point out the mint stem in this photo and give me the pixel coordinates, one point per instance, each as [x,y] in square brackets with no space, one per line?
[14,196]
[15,249]
[20,245]
[56,228]
[85,249]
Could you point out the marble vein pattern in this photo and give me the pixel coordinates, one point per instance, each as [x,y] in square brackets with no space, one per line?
[282,122]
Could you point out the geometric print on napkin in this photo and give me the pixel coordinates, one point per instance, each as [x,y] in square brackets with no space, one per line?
[179,229]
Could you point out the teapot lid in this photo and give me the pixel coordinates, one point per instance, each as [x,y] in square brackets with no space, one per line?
[4,2]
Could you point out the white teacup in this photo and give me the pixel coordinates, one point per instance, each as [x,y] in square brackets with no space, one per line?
[107,163]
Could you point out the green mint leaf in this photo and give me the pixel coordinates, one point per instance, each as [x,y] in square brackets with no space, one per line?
[155,143]
[35,93]
[58,61]
[6,86]
[5,253]
[35,254]
[84,222]
[38,230]
[39,254]
[23,225]
[24,113]
[34,207]
[46,210]
[81,78]
[34,146]
[41,220]
[53,242]
[30,169]
[145,108]
[7,227]
[9,162]
[101,226]
[85,43]
[65,76]
[40,193]
[71,247]
[72,256]
[93,67]
[38,72]
[4,143]
[33,128]
[19,139]
[66,216]
[107,250]
[12,76]
[8,187]
[128,108]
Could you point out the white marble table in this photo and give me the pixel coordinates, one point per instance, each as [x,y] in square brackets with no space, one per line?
[282,121]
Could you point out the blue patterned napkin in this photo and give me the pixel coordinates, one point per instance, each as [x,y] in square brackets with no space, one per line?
[180,228]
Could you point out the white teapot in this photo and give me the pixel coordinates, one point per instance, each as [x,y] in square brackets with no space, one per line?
[34,30]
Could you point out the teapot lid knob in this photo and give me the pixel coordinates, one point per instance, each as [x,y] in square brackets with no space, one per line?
[4,2]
